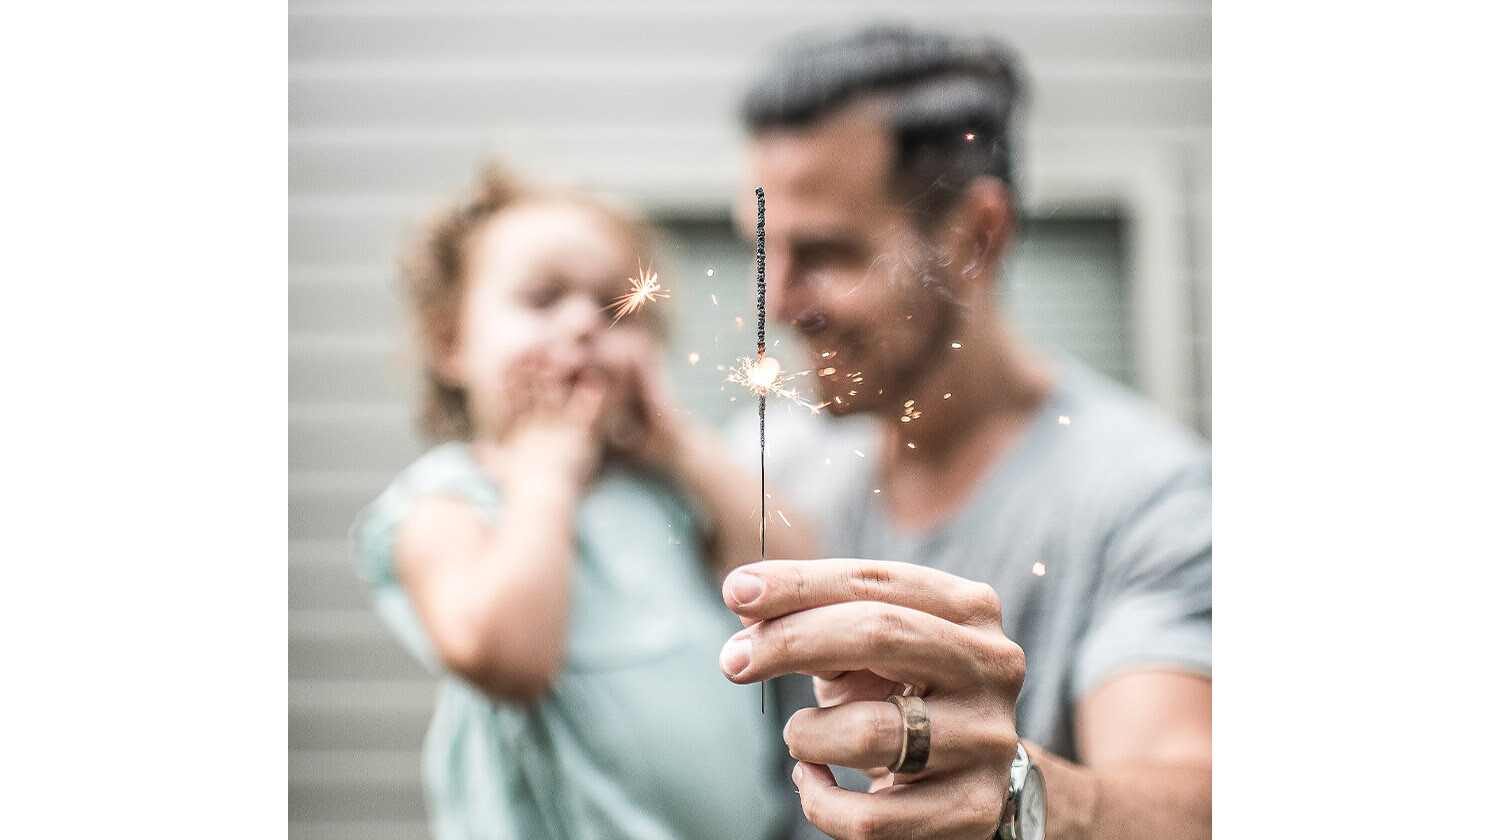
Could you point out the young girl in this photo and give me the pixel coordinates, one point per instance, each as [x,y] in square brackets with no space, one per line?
[548,560]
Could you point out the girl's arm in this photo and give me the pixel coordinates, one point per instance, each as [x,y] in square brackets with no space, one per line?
[495,599]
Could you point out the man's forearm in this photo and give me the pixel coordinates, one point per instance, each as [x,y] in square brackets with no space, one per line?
[1125,803]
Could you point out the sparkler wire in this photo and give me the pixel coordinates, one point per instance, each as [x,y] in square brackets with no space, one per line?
[760,357]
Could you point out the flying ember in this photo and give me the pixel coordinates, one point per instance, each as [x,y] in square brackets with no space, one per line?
[645,286]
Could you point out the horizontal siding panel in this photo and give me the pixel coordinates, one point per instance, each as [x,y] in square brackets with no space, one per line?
[737,34]
[355,785]
[343,767]
[340,649]
[1110,98]
[330,585]
[305,9]
[343,307]
[324,508]
[348,374]
[407,101]
[353,440]
[340,233]
[424,163]
[353,725]
[411,695]
[359,830]
[343,237]
[325,802]
[641,161]
[336,624]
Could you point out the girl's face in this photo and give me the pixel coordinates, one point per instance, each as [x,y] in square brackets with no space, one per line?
[540,277]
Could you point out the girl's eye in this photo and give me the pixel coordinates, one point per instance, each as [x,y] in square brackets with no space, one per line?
[543,297]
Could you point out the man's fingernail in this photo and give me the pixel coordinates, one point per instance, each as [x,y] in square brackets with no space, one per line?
[735,656]
[746,588]
[797,775]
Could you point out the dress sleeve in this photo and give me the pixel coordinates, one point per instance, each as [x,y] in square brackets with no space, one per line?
[1154,605]
[373,536]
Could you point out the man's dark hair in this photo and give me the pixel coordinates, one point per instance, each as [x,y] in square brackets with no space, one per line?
[951,104]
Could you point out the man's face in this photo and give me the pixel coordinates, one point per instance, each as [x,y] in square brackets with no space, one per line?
[844,264]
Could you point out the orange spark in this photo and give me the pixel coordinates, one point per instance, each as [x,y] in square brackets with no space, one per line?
[645,286]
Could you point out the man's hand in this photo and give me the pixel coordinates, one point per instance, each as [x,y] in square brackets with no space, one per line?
[868,629]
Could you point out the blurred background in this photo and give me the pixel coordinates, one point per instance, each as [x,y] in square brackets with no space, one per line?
[393,103]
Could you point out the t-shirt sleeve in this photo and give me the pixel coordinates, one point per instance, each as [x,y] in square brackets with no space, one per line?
[1155,604]
[373,535]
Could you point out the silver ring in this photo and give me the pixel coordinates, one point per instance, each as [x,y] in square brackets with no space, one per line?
[916,734]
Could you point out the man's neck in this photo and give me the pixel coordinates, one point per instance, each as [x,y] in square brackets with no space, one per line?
[964,416]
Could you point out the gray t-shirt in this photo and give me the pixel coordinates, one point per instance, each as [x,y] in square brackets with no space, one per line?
[1093,527]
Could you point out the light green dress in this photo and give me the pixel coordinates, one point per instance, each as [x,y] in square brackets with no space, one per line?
[641,737]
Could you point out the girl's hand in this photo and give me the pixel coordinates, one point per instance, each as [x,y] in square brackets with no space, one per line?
[647,430]
[551,438]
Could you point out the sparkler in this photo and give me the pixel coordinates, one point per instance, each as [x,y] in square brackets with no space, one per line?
[760,358]
[644,286]
[763,375]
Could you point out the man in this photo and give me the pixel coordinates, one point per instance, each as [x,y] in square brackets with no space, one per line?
[998,481]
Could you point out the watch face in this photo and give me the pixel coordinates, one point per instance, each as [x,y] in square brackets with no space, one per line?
[1031,811]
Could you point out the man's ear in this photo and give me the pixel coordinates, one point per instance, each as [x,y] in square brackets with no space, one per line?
[980,227]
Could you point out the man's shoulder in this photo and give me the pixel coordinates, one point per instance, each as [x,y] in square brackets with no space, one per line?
[1104,452]
[1104,426]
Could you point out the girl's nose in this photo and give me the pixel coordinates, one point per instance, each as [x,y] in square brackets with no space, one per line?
[581,315]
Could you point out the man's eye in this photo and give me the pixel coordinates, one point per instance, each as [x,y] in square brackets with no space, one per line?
[825,255]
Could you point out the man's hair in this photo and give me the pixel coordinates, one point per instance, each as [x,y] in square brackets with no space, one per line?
[941,90]
[434,278]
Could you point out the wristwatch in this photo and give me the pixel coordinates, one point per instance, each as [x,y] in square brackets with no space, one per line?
[1025,814]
